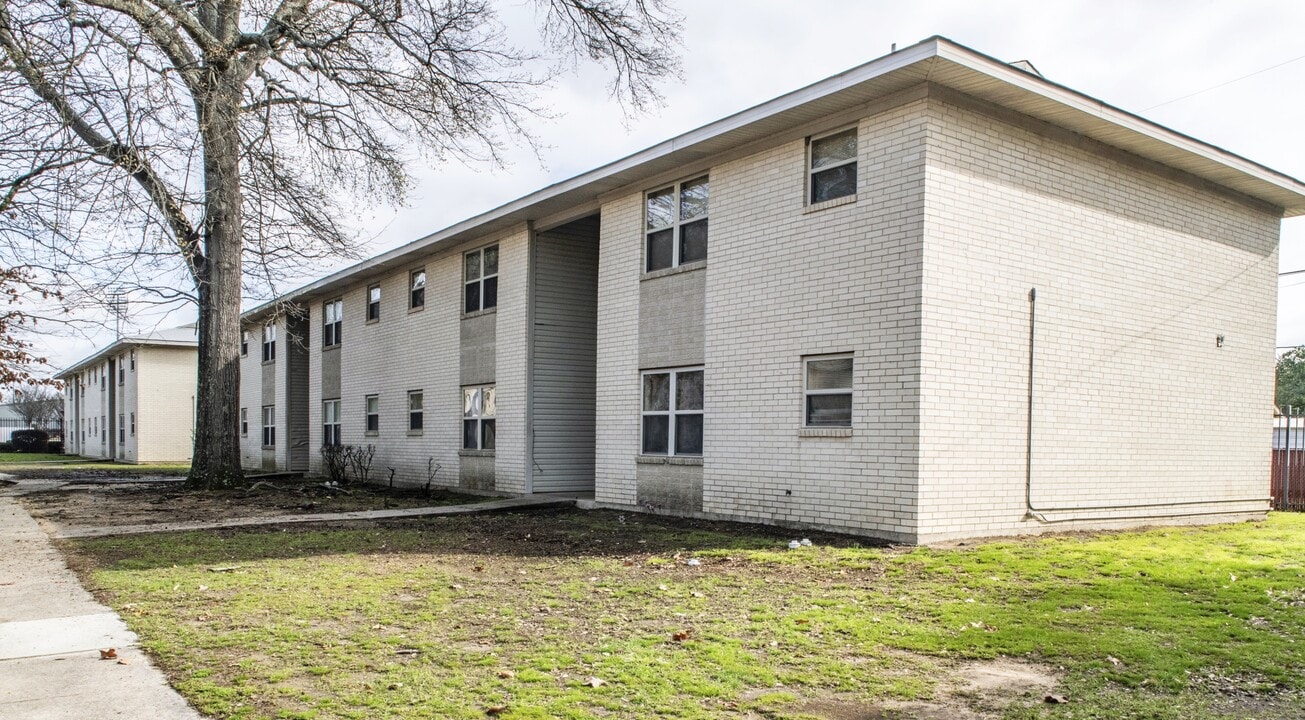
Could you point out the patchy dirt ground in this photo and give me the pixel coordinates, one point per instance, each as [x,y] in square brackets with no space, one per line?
[85,501]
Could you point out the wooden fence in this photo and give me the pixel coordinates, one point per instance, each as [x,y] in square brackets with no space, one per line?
[1288,485]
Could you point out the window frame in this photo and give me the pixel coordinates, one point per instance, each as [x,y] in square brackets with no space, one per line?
[807,392]
[677,223]
[480,281]
[331,423]
[133,424]
[244,343]
[269,426]
[132,355]
[269,343]
[479,418]
[418,414]
[122,430]
[671,411]
[332,322]
[812,172]
[370,427]
[244,422]
[372,312]
[417,301]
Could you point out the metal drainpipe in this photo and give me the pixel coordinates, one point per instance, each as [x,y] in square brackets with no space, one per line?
[1036,513]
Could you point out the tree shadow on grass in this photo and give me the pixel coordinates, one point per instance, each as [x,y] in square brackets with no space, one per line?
[573,534]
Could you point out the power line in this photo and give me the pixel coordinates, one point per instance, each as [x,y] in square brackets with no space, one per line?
[1224,84]
[1290,272]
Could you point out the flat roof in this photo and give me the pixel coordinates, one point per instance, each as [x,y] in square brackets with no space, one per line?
[183,336]
[936,60]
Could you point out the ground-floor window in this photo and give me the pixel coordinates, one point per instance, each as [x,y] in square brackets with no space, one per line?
[416,415]
[244,422]
[122,429]
[827,391]
[373,403]
[331,423]
[269,426]
[478,413]
[672,412]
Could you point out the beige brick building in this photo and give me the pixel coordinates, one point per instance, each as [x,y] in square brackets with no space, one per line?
[133,401]
[933,297]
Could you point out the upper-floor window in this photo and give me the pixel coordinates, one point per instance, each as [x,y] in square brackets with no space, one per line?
[672,412]
[374,303]
[417,289]
[480,279]
[478,411]
[132,355]
[676,225]
[269,343]
[332,315]
[827,391]
[122,370]
[244,343]
[832,166]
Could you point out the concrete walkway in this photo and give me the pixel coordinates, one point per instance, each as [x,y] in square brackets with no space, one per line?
[51,634]
[541,500]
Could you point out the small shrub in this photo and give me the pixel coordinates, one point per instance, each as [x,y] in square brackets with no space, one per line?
[336,458]
[55,446]
[6,447]
[30,441]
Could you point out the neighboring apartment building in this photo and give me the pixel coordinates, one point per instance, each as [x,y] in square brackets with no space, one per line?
[134,401]
[820,312]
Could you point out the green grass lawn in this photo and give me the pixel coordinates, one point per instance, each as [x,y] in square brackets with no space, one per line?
[450,617]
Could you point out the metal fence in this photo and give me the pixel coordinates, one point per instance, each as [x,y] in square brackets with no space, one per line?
[1288,485]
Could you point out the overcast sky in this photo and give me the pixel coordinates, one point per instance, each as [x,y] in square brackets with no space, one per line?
[1134,55]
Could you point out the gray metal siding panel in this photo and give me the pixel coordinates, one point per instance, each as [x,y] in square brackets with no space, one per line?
[564,357]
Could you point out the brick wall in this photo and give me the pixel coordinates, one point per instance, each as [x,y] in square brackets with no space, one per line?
[1137,270]
[165,404]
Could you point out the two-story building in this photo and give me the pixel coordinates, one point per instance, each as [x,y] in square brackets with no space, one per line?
[935,296]
[134,400]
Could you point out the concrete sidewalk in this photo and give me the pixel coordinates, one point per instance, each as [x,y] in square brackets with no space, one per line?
[51,634]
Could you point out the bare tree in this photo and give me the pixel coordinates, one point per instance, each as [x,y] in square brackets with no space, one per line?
[213,136]
[38,405]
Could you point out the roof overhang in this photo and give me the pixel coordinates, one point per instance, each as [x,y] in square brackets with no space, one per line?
[937,61]
[119,345]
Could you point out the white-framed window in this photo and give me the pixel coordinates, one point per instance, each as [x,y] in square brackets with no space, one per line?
[478,412]
[269,343]
[104,427]
[827,390]
[831,166]
[675,230]
[373,303]
[244,343]
[480,279]
[122,370]
[373,415]
[244,422]
[132,355]
[133,424]
[269,426]
[415,413]
[417,289]
[122,429]
[672,412]
[331,423]
[332,319]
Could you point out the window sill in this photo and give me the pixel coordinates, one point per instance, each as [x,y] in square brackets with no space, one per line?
[372,433]
[269,447]
[419,308]
[827,432]
[691,460]
[269,362]
[328,348]
[479,313]
[415,433]
[373,321]
[686,267]
[836,202]
[468,452]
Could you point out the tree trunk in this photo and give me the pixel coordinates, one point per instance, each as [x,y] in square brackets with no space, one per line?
[216,459]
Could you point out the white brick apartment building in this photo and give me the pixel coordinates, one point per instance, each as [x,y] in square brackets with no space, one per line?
[933,297]
[134,400]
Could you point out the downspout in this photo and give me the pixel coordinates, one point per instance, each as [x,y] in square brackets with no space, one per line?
[1036,513]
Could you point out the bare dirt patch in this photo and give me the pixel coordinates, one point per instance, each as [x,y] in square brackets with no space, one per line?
[81,504]
[968,691]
